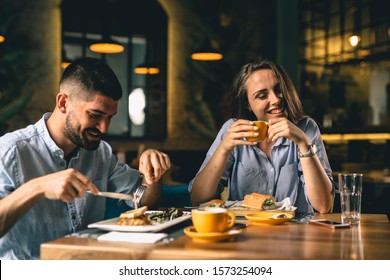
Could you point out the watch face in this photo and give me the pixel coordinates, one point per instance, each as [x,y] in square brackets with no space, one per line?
[311,152]
[314,149]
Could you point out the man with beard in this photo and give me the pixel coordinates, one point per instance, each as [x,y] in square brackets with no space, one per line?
[47,168]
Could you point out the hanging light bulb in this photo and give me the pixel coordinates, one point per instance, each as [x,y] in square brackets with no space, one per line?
[2,38]
[354,40]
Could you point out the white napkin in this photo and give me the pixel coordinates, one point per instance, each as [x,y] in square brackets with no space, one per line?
[285,205]
[132,237]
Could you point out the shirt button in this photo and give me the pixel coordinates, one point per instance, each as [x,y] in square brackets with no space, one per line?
[62,163]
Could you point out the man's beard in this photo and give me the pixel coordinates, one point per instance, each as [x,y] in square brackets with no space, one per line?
[82,141]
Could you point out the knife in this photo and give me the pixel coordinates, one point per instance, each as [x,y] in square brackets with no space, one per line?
[114,195]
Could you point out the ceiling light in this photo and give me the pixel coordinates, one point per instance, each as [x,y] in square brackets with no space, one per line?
[65,60]
[146,69]
[107,46]
[354,40]
[2,38]
[207,56]
[65,64]
[206,53]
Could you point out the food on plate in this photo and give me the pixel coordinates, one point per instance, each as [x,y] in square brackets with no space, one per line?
[167,215]
[136,217]
[216,203]
[258,201]
[139,217]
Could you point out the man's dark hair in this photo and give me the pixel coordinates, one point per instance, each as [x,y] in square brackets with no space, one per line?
[92,75]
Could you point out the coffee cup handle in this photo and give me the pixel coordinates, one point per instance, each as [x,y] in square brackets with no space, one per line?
[231,220]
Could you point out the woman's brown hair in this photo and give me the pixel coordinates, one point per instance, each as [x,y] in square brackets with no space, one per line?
[239,104]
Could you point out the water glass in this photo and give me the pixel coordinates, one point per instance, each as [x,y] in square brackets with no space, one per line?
[350,187]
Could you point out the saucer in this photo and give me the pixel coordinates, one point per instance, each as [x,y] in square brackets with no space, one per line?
[212,236]
[264,218]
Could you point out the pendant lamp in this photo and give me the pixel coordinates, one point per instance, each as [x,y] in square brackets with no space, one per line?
[65,60]
[107,45]
[147,67]
[206,53]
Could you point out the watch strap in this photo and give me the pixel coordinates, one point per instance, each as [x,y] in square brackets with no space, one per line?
[310,153]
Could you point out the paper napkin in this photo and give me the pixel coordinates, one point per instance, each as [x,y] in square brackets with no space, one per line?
[132,237]
[284,205]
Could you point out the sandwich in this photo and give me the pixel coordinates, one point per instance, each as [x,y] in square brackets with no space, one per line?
[258,201]
[216,203]
[136,217]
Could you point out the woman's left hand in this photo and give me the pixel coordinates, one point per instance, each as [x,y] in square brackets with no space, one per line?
[282,127]
[153,164]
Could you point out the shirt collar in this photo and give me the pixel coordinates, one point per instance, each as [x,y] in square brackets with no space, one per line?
[44,132]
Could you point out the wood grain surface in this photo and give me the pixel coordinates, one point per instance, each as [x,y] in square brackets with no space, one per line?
[370,240]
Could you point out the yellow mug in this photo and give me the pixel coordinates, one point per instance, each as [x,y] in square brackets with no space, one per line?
[262,129]
[212,219]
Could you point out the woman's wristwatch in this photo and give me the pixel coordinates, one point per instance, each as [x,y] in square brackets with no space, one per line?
[310,153]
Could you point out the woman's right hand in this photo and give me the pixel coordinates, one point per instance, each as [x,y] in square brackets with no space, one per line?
[236,133]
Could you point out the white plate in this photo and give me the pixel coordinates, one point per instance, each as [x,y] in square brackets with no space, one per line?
[111,224]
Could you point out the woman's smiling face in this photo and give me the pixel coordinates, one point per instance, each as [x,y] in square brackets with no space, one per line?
[264,95]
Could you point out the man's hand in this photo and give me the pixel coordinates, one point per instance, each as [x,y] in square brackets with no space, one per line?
[64,185]
[153,164]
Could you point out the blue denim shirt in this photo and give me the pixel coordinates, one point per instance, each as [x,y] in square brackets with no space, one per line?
[249,170]
[29,153]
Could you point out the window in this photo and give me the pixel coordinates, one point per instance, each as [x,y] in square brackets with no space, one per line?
[134,119]
[344,86]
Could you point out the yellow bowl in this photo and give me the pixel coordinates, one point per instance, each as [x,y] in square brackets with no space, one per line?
[266,217]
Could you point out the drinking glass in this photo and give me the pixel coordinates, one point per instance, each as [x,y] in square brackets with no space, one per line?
[350,187]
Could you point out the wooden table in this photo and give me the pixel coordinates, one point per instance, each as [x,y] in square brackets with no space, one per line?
[369,240]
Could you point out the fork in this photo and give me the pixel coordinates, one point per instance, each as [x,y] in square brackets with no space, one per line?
[138,193]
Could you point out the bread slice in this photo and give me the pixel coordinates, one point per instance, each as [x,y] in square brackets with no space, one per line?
[134,213]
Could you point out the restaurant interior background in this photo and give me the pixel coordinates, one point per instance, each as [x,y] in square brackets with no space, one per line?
[344,85]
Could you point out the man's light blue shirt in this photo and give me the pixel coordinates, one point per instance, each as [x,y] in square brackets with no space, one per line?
[30,153]
[248,169]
